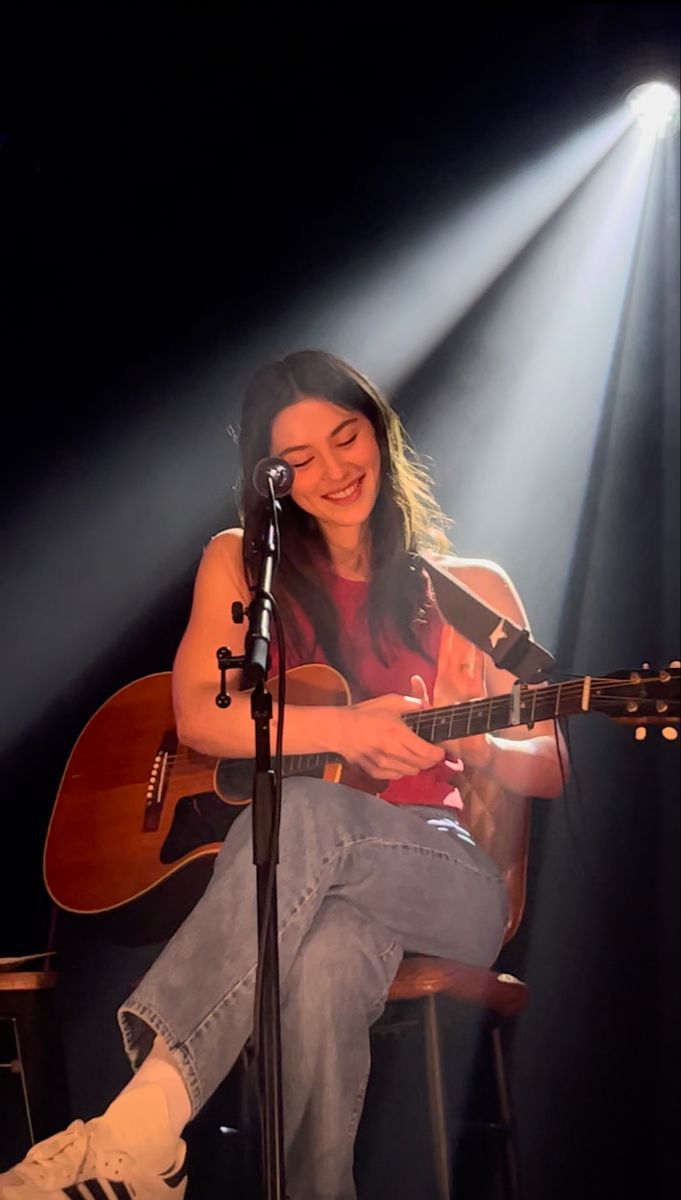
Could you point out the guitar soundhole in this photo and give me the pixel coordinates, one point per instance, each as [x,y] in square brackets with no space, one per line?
[234,780]
[198,820]
[234,776]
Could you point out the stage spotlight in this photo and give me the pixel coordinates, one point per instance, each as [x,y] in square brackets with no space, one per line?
[656,108]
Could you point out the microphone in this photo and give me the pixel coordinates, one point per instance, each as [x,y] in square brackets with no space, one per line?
[278,471]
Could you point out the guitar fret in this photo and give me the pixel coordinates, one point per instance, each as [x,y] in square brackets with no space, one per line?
[296,764]
[528,703]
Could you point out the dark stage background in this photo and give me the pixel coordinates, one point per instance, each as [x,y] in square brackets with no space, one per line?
[172,181]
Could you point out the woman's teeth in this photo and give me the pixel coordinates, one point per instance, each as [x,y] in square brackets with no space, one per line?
[345,493]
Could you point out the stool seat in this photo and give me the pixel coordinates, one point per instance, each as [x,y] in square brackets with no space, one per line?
[27,981]
[423,975]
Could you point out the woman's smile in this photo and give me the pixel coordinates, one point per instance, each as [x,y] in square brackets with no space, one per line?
[346,495]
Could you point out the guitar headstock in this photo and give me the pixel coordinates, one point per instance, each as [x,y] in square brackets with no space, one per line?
[645,698]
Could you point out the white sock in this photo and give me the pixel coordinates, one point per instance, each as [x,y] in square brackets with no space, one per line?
[137,1122]
[159,1069]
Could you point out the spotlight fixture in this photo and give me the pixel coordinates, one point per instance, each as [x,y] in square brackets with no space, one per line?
[655,107]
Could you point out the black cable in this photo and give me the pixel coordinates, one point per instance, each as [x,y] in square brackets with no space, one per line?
[589,872]
[575,833]
[576,789]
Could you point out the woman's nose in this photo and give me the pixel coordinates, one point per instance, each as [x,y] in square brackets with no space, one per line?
[333,467]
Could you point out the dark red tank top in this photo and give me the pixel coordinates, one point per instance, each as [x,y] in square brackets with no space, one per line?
[372,677]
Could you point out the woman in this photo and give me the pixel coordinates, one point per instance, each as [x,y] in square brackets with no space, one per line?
[362,877]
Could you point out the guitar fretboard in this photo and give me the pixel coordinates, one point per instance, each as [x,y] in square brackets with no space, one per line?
[523,706]
[299,764]
[637,696]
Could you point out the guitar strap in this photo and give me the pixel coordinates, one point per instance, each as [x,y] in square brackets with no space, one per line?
[509,646]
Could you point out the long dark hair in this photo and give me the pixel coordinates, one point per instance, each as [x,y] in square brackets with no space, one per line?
[405,518]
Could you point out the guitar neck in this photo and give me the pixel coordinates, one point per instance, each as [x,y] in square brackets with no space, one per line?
[633,697]
[522,706]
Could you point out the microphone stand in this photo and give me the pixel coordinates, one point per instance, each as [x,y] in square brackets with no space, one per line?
[265,851]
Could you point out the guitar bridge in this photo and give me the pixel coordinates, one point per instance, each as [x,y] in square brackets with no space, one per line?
[156,784]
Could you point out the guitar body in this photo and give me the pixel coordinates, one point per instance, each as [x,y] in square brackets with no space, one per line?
[133,801]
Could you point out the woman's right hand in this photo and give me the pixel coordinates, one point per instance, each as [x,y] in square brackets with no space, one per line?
[380,743]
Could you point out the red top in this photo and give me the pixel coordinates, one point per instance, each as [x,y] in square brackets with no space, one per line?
[374,678]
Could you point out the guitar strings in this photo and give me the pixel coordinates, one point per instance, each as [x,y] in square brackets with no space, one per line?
[567,690]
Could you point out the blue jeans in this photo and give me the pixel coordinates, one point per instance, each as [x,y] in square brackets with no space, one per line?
[360,881]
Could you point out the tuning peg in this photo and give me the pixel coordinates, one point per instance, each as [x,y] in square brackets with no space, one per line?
[670,732]
[675,663]
[640,733]
[645,666]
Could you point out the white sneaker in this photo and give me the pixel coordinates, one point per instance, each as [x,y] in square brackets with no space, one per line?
[84,1163]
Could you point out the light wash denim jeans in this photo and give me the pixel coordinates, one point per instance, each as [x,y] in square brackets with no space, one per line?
[360,881]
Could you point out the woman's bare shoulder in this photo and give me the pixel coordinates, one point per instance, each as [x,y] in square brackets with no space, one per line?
[227,542]
[471,567]
[487,579]
[223,553]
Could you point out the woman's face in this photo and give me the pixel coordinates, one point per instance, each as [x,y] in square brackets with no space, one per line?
[336,457]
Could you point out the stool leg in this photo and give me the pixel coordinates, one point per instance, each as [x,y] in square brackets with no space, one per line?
[437,1100]
[22,1077]
[510,1161]
[43,1068]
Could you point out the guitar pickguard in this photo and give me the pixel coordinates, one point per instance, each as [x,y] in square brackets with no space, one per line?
[197,821]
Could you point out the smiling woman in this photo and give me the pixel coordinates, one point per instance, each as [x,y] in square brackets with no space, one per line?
[367,871]
[337,468]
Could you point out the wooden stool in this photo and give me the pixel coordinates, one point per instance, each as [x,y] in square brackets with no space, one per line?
[493,995]
[27,1003]
[499,822]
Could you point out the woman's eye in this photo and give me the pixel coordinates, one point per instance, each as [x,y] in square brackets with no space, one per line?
[349,441]
[297,466]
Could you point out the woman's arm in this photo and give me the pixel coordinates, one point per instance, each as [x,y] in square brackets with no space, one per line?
[200,723]
[524,761]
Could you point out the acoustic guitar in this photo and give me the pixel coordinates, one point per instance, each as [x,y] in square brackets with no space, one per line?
[135,806]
